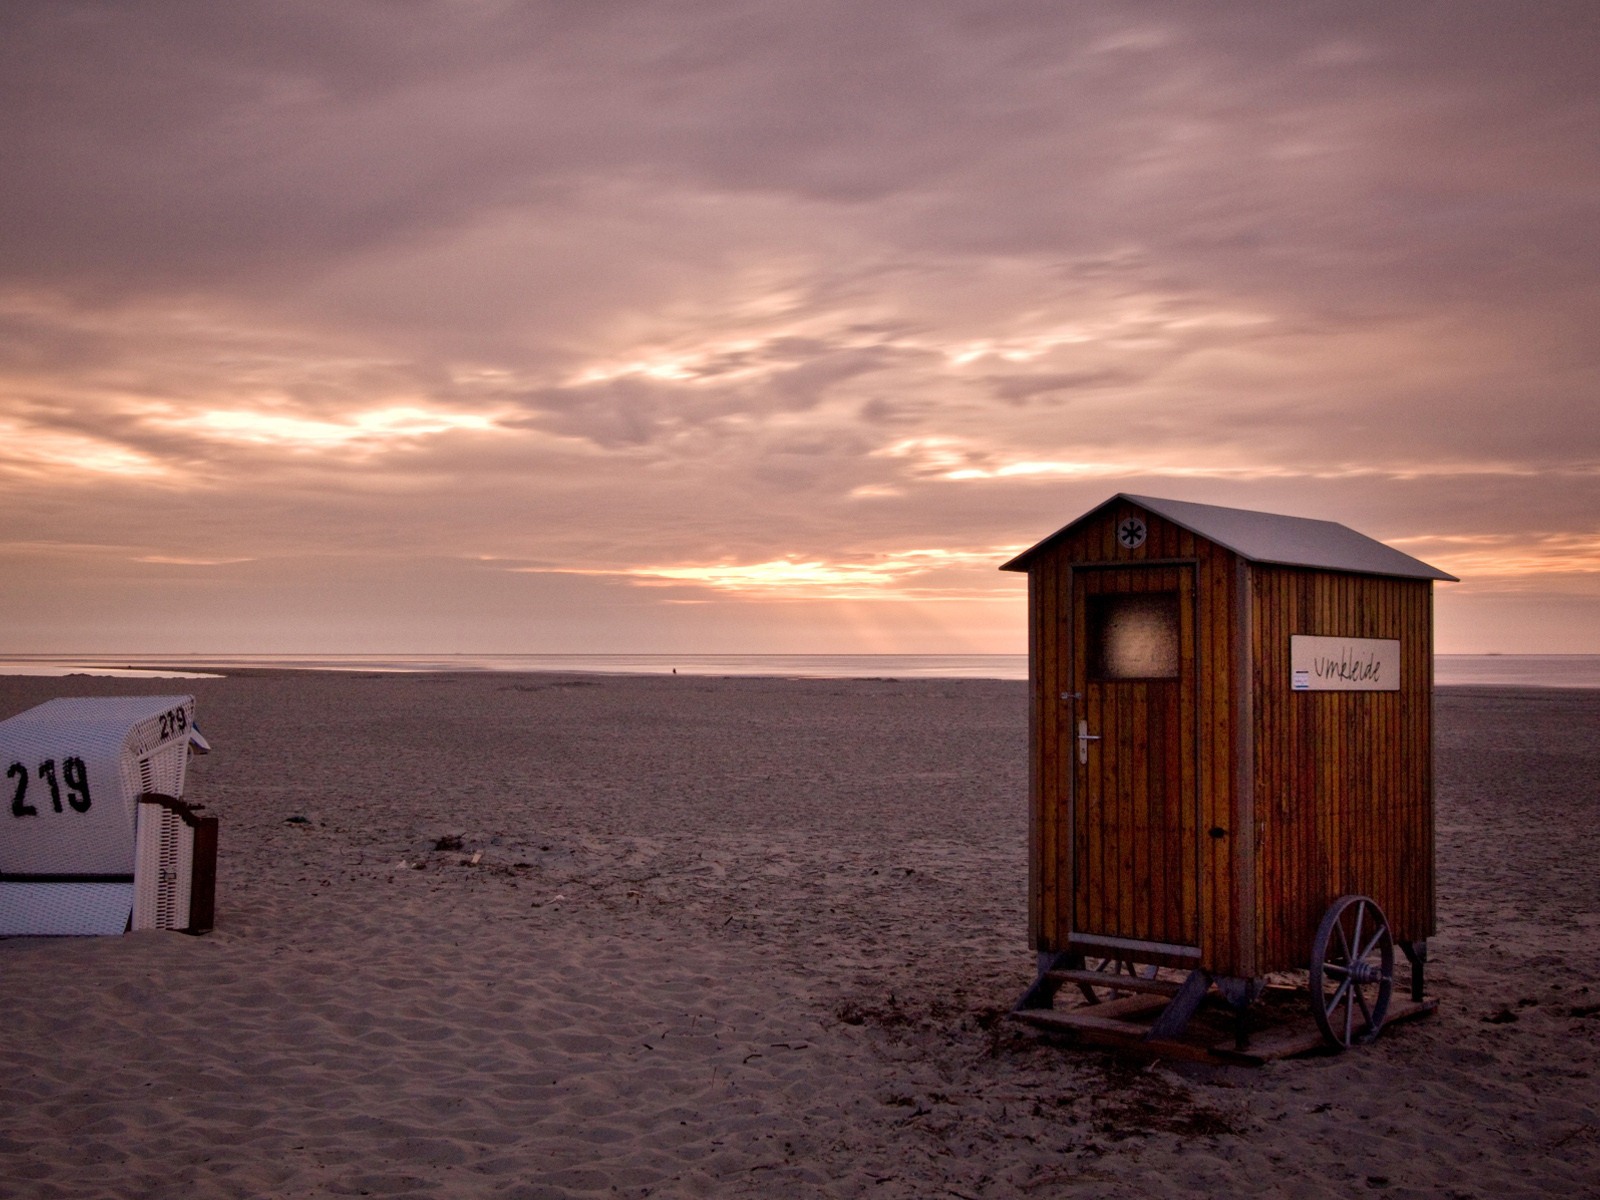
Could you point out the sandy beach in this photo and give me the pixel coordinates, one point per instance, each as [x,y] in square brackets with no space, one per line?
[597,936]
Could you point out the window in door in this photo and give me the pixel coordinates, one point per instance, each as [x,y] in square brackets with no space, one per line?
[1132,635]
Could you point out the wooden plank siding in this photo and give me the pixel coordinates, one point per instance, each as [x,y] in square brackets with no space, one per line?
[1343,780]
[1287,799]
[1132,802]
[1204,883]
[1040,815]
[1220,887]
[1045,807]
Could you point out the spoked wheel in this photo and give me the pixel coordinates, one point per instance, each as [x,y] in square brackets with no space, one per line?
[1352,971]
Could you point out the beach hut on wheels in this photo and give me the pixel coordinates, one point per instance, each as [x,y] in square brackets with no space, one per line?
[1231,773]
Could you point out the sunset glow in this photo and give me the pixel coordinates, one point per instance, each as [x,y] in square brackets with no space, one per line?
[58,455]
[1523,558]
[370,430]
[899,576]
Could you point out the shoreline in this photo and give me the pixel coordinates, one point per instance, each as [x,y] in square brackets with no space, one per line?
[227,669]
[1564,672]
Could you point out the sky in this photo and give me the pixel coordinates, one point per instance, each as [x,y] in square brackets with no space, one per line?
[772,326]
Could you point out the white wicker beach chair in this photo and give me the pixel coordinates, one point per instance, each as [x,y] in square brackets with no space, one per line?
[79,852]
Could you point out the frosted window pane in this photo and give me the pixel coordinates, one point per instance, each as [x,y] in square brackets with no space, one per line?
[1133,636]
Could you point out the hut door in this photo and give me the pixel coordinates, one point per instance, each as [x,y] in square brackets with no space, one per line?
[1131,743]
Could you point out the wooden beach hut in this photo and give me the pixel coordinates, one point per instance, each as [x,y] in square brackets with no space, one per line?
[1231,769]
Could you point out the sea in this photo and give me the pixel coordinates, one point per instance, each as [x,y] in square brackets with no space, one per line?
[1450,670]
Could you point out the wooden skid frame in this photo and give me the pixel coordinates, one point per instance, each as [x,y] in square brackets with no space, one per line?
[1126,1024]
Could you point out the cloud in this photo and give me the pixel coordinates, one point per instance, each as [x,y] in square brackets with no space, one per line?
[797,289]
[905,576]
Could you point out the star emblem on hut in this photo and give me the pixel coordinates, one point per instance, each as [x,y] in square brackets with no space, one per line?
[1130,532]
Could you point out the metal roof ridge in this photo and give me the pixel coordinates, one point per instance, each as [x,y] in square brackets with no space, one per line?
[1277,539]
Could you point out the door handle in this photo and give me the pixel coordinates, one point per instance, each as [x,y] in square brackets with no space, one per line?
[1084,738]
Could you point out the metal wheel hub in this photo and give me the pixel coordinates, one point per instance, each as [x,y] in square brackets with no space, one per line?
[1364,973]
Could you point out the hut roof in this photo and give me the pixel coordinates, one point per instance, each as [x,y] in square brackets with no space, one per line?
[1267,538]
